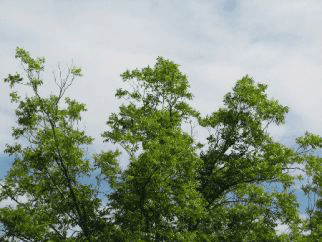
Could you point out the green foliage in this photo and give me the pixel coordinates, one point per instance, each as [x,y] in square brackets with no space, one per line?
[309,144]
[238,188]
[156,196]
[44,179]
[243,166]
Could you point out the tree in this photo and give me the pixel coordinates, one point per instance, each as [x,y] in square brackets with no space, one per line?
[309,144]
[241,166]
[44,178]
[236,187]
[156,197]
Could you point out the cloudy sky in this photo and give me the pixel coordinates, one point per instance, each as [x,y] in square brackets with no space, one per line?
[216,42]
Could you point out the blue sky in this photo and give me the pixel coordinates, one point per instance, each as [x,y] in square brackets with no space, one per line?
[215,41]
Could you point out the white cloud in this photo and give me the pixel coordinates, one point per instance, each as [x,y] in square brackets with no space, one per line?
[216,42]
[282,229]
[7,203]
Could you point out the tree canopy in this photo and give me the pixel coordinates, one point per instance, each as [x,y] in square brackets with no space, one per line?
[237,185]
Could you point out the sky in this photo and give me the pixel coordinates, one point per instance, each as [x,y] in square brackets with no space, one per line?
[216,42]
